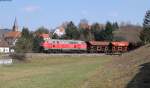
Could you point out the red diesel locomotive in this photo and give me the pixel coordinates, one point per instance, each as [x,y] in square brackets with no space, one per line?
[69,46]
[56,45]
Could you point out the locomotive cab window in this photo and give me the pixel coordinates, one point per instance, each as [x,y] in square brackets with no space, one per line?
[57,42]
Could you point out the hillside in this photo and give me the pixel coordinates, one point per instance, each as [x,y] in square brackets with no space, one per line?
[129,33]
[139,64]
[131,70]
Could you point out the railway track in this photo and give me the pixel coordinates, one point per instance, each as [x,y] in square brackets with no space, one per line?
[43,55]
[62,54]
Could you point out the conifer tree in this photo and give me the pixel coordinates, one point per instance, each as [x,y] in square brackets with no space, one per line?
[145,33]
[72,31]
[41,30]
[25,42]
[108,33]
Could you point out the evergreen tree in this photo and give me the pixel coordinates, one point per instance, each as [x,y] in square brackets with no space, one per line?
[25,42]
[146,23]
[96,31]
[145,33]
[95,27]
[25,33]
[115,26]
[86,35]
[42,30]
[72,31]
[108,33]
[36,46]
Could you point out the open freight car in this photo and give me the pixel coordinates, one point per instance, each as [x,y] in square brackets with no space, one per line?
[97,46]
[119,47]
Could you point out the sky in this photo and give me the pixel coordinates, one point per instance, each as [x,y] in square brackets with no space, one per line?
[52,13]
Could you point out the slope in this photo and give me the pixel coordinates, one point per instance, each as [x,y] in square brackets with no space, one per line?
[131,70]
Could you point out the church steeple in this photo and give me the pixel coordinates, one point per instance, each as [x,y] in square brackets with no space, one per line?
[15,26]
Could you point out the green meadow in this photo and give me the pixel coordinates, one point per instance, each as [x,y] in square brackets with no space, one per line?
[51,72]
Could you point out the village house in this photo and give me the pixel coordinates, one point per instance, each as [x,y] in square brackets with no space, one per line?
[60,31]
[4,47]
[12,36]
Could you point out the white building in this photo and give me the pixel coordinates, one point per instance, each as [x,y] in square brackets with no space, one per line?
[59,31]
[4,47]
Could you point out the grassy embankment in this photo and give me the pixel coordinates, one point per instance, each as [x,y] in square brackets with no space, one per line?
[132,70]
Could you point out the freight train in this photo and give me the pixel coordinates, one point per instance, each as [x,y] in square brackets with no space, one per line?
[58,46]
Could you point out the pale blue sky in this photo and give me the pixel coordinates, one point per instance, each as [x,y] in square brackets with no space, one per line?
[51,13]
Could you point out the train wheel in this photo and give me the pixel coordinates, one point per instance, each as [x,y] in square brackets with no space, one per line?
[49,51]
[41,50]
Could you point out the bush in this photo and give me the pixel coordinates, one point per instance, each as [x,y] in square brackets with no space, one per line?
[20,56]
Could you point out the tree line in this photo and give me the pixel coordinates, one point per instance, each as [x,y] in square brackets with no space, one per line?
[95,32]
[28,42]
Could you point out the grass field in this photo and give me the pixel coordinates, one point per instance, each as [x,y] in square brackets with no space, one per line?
[131,70]
[52,72]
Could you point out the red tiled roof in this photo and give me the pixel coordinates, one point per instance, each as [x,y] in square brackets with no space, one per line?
[44,35]
[3,43]
[12,34]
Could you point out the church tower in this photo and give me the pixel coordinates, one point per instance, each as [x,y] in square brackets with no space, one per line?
[15,26]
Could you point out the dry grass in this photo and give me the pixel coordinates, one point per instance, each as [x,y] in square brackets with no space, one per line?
[124,72]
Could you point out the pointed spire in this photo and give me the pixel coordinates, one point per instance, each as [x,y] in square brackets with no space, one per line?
[15,26]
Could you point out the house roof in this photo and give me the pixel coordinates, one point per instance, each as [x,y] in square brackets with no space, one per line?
[44,35]
[3,43]
[13,34]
